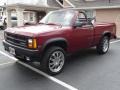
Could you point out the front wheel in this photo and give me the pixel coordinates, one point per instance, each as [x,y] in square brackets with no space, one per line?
[53,60]
[103,45]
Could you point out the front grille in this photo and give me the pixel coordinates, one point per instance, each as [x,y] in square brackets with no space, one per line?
[15,39]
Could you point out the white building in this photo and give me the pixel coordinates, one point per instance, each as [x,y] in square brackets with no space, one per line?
[1,11]
[29,11]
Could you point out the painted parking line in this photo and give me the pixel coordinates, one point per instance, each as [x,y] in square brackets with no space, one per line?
[6,63]
[69,87]
[115,41]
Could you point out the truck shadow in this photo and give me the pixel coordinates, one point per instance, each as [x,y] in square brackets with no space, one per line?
[77,59]
[77,56]
[80,63]
[84,56]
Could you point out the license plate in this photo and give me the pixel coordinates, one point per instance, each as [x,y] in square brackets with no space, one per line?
[12,50]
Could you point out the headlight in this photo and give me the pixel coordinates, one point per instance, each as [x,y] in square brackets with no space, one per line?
[32,43]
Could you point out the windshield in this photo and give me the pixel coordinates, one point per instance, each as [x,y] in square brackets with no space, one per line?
[59,17]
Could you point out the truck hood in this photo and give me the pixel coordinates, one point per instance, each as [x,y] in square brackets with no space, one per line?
[33,30]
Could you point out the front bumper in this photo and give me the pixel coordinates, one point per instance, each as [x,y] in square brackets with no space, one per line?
[23,53]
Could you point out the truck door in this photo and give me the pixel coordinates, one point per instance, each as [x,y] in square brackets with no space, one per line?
[83,32]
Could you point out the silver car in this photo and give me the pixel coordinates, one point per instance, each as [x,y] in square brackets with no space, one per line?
[3,23]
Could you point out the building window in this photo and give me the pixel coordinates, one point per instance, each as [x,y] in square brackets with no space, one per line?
[31,16]
[26,16]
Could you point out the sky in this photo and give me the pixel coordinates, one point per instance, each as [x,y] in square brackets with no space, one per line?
[22,1]
[2,2]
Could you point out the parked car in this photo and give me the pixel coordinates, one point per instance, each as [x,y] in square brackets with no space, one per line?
[3,23]
[59,33]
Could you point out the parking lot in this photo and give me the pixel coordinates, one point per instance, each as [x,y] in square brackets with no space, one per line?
[85,70]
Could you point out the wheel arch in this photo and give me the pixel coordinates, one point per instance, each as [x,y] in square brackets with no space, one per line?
[107,33]
[61,42]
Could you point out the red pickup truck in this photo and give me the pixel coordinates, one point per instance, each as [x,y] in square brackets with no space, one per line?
[57,34]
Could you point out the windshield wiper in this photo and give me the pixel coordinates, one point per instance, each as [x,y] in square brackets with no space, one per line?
[54,24]
[50,24]
[41,23]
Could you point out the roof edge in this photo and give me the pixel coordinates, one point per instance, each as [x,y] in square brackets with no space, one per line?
[18,4]
[100,7]
[71,4]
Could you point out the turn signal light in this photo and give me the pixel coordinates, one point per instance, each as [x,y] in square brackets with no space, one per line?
[32,43]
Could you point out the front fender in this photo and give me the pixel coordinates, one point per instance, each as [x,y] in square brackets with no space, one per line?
[52,40]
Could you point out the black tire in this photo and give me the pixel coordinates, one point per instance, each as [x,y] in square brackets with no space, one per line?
[0,27]
[101,46]
[46,60]
[3,27]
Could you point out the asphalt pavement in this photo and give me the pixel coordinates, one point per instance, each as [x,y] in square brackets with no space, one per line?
[84,70]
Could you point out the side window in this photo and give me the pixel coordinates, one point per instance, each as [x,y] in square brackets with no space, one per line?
[82,17]
[81,20]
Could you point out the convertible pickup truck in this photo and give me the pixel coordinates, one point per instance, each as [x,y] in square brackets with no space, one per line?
[59,33]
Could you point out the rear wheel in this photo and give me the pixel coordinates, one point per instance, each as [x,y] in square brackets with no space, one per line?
[53,60]
[103,45]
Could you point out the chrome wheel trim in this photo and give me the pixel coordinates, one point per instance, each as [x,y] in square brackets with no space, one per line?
[56,61]
[105,45]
